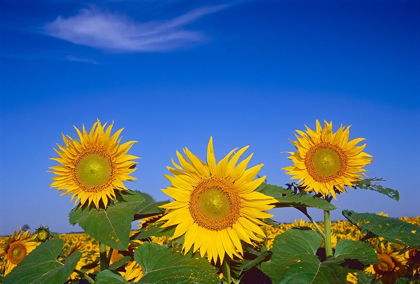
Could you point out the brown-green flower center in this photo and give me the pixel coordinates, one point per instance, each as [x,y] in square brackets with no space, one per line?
[93,171]
[16,252]
[325,162]
[215,204]
[385,265]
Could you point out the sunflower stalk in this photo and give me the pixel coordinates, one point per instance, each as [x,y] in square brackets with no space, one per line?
[320,231]
[84,275]
[102,255]
[226,271]
[108,259]
[327,239]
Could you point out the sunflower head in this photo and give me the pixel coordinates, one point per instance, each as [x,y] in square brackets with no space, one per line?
[42,233]
[132,271]
[326,162]
[94,166]
[16,248]
[391,264]
[216,205]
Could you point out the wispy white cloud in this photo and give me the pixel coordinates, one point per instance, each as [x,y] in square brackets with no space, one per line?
[79,59]
[118,33]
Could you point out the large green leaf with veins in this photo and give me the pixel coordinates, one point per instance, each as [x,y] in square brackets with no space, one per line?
[110,226]
[391,229]
[41,266]
[162,265]
[294,259]
[349,249]
[287,198]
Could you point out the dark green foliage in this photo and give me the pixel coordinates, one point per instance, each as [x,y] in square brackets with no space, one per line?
[288,198]
[162,265]
[110,226]
[391,229]
[294,259]
[368,185]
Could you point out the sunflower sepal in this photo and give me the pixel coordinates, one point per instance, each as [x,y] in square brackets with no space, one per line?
[43,234]
[110,226]
[41,265]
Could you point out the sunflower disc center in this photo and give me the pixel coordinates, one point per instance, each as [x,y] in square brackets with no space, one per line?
[93,170]
[214,204]
[385,265]
[17,252]
[325,162]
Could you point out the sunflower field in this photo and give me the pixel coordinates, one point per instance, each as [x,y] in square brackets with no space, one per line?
[216,228]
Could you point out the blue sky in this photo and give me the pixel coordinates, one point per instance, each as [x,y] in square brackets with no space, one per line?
[174,73]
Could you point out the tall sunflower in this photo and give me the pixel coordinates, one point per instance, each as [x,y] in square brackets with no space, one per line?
[93,167]
[16,248]
[216,205]
[327,161]
[391,265]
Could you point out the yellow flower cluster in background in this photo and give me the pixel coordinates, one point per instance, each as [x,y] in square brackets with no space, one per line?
[394,260]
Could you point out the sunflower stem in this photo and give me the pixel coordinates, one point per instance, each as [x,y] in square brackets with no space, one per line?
[320,231]
[226,271]
[84,275]
[108,259]
[103,258]
[327,225]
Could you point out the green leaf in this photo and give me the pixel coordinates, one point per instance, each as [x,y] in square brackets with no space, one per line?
[287,198]
[294,260]
[349,249]
[150,207]
[110,226]
[108,277]
[41,266]
[368,185]
[161,265]
[391,229]
[119,263]
[259,259]
[155,230]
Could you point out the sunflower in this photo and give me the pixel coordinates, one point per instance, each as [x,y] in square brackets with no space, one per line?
[216,205]
[132,271]
[94,167]
[16,248]
[351,278]
[325,161]
[391,265]
[413,260]
[42,234]
[85,260]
